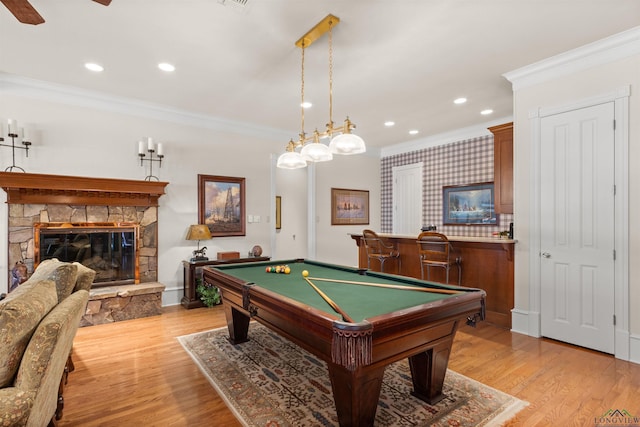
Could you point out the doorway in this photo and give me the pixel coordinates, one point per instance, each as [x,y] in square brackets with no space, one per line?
[577,216]
[407,199]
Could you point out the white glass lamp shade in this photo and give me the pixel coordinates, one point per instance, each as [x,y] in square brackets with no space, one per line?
[291,160]
[347,143]
[316,152]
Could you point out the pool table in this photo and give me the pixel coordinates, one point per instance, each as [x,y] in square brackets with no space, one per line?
[357,321]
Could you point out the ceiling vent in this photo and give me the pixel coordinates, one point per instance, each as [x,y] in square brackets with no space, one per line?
[239,5]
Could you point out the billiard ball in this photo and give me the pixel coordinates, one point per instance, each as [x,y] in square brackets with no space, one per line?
[287,270]
[268,269]
[305,273]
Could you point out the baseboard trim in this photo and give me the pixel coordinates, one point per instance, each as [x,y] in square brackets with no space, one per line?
[528,323]
[634,348]
[172,296]
[525,322]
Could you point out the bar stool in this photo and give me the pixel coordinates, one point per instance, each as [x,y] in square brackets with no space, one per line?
[435,250]
[378,249]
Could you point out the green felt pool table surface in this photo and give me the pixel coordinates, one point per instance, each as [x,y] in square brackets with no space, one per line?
[381,325]
[358,301]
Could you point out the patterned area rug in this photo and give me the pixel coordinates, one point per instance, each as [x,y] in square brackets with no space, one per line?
[270,382]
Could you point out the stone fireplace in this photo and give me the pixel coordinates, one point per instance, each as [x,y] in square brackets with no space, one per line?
[48,211]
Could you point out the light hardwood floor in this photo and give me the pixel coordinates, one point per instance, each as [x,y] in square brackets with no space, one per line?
[136,373]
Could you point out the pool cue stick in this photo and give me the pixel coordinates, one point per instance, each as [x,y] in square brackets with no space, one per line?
[381,285]
[329,301]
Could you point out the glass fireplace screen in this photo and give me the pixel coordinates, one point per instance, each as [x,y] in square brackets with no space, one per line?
[109,250]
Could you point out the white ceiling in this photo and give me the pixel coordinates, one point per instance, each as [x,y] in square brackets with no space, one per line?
[400,60]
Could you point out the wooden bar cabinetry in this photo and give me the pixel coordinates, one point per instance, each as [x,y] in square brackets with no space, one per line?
[503,167]
[192,270]
[487,263]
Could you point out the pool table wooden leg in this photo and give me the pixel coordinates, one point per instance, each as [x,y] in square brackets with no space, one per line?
[428,370]
[356,394]
[238,324]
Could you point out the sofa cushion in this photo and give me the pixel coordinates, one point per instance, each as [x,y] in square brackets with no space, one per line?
[15,406]
[85,277]
[46,354]
[63,273]
[20,314]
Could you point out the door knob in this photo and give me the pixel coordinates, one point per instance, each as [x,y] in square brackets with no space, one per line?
[546,254]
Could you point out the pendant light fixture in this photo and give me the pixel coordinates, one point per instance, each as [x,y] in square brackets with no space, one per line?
[315,151]
[291,159]
[346,142]
[342,140]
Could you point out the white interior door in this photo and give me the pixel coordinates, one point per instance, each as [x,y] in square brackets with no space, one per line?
[407,199]
[577,227]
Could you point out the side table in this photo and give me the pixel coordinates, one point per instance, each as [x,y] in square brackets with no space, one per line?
[192,270]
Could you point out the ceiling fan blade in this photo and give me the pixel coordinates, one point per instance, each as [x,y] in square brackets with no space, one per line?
[103,2]
[23,11]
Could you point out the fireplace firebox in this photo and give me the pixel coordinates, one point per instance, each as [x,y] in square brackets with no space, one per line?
[110,249]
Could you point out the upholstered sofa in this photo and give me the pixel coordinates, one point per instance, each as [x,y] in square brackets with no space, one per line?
[38,322]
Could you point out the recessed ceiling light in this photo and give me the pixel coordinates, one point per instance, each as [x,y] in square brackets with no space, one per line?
[486,112]
[413,132]
[306,104]
[460,100]
[94,67]
[165,66]
[389,123]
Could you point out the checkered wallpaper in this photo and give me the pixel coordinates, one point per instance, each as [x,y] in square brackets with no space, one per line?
[459,163]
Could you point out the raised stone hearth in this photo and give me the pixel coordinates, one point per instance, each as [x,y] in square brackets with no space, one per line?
[115,303]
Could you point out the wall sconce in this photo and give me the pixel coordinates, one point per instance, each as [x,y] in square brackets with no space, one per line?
[14,132]
[199,232]
[151,148]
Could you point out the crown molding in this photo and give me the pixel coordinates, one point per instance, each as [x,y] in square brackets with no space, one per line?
[69,95]
[609,49]
[444,138]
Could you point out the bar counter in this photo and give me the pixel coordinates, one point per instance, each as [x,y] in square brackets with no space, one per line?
[487,263]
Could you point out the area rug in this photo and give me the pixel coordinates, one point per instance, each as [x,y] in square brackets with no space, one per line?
[271,382]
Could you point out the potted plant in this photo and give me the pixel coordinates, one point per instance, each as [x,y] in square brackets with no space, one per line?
[209,294]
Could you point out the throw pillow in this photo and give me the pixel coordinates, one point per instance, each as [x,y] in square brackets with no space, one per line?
[20,314]
[63,273]
[85,277]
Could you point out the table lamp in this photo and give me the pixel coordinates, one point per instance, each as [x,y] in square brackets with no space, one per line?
[199,232]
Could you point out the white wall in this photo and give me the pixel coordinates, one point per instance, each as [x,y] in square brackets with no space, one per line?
[361,172]
[291,239]
[91,139]
[332,242]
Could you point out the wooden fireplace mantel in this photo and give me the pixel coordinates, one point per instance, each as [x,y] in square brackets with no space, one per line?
[30,188]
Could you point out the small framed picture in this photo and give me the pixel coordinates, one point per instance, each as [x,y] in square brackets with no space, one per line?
[349,207]
[221,205]
[278,212]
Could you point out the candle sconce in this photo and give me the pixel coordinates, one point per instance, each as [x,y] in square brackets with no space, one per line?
[151,149]
[14,132]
